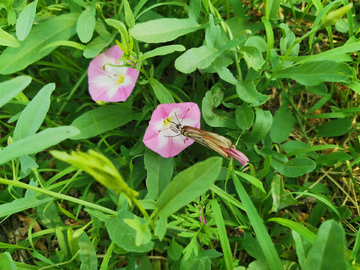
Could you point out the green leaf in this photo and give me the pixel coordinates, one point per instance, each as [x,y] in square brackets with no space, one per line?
[302,246]
[57,28]
[160,229]
[332,158]
[7,262]
[224,240]
[188,185]
[98,44]
[36,143]
[253,57]
[161,93]
[295,167]
[261,127]
[334,128]
[244,116]
[34,113]
[282,124]
[159,172]
[252,246]
[314,73]
[245,90]
[297,227]
[129,17]
[281,197]
[143,235]
[25,20]
[202,57]
[194,9]
[164,50]
[8,40]
[163,30]
[11,88]
[85,24]
[22,204]
[102,119]
[71,44]
[211,100]
[260,230]
[328,250]
[87,253]
[174,250]
[257,183]
[123,235]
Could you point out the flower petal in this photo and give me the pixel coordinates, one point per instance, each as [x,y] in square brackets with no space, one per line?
[163,139]
[111,84]
[239,156]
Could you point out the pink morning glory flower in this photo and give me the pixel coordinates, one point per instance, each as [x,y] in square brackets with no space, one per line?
[110,83]
[161,137]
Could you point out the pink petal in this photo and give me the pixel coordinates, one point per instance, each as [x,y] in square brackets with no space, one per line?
[239,156]
[165,141]
[104,84]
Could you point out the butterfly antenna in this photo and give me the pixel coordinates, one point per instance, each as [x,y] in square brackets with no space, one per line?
[184,115]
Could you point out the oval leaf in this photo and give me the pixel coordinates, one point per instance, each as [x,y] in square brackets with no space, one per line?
[188,185]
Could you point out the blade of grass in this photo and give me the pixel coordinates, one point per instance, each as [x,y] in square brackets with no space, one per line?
[260,230]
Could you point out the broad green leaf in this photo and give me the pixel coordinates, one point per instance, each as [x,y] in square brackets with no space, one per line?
[314,73]
[295,226]
[98,44]
[263,122]
[25,20]
[291,146]
[161,93]
[295,167]
[253,57]
[36,143]
[194,9]
[272,8]
[102,119]
[328,250]
[260,230]
[22,204]
[163,30]
[8,40]
[10,88]
[211,100]
[188,185]
[286,42]
[334,128]
[159,172]
[87,253]
[34,113]
[57,28]
[301,247]
[7,262]
[123,235]
[224,240]
[333,158]
[164,50]
[174,250]
[244,116]
[282,124]
[85,25]
[281,197]
[245,90]
[202,57]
